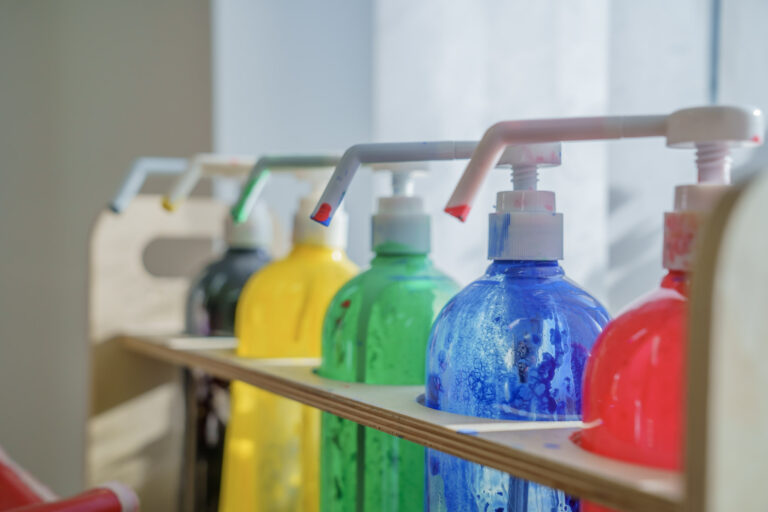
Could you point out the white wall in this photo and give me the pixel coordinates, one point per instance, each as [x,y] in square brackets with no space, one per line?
[294,77]
[449,70]
[418,70]
[658,64]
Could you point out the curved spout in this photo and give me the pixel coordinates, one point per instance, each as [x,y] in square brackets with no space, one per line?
[386,152]
[260,172]
[686,128]
[140,169]
[500,135]
[205,164]
[391,152]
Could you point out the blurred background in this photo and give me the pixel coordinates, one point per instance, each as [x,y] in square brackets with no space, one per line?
[86,86]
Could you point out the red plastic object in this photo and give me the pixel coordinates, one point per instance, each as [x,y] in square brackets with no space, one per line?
[634,382]
[17,487]
[95,500]
[21,492]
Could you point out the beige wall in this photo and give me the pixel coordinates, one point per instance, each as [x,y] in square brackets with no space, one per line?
[85,86]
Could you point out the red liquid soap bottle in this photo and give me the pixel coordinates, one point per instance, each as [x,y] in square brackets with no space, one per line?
[634,383]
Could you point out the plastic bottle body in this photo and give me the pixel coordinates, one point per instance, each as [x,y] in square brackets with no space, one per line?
[511,345]
[634,385]
[212,300]
[376,331]
[272,446]
[211,306]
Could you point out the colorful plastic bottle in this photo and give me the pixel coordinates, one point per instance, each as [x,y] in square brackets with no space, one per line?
[634,385]
[511,345]
[376,332]
[210,311]
[682,129]
[272,445]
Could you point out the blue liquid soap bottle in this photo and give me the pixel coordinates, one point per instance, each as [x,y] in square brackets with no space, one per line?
[512,345]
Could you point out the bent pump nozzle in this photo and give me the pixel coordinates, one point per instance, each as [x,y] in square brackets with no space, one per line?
[390,152]
[206,164]
[698,127]
[141,168]
[260,172]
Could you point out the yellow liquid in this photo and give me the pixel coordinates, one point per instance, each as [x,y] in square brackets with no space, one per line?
[271,451]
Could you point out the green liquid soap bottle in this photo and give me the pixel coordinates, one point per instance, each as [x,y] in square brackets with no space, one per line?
[375,332]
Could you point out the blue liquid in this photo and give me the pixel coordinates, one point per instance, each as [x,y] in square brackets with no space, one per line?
[512,345]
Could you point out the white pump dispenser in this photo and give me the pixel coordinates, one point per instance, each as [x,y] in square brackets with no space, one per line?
[206,165]
[315,169]
[141,168]
[713,127]
[258,232]
[400,224]
[526,225]
[693,202]
[307,232]
[388,153]
[711,130]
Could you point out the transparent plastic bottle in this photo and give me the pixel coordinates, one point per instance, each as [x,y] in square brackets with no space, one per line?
[212,299]
[271,454]
[376,332]
[211,304]
[511,345]
[635,386]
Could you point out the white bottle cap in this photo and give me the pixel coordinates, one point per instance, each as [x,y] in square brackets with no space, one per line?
[400,225]
[525,225]
[255,232]
[307,231]
[694,202]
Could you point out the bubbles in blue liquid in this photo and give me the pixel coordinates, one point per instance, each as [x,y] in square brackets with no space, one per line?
[511,345]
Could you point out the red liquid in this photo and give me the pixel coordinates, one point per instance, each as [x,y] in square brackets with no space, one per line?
[634,384]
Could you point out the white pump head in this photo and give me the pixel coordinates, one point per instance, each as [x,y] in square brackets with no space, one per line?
[314,169]
[140,169]
[401,226]
[257,233]
[712,130]
[694,127]
[713,138]
[307,232]
[388,152]
[260,172]
[525,225]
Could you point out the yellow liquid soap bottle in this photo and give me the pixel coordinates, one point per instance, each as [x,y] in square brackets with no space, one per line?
[271,452]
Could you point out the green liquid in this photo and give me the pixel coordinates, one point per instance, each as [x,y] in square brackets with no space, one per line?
[376,332]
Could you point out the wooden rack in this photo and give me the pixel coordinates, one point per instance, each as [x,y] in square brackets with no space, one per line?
[727,451]
[539,451]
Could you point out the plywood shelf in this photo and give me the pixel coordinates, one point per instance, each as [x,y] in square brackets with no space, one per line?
[538,451]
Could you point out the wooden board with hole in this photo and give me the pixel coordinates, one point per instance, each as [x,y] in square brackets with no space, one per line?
[539,451]
[727,438]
